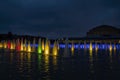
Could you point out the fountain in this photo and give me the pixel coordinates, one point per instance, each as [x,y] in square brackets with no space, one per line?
[28,47]
[96,46]
[72,47]
[21,49]
[47,50]
[33,46]
[39,46]
[43,45]
[12,45]
[18,45]
[55,49]
[90,47]
[24,46]
[8,44]
[4,44]
[110,47]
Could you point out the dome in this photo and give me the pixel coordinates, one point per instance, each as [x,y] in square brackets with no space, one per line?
[104,30]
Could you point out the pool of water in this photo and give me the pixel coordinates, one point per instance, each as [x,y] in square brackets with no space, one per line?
[80,65]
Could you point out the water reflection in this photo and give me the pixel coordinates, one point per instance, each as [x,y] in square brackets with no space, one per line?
[91,62]
[46,63]
[55,63]
[110,54]
[39,62]
[11,58]
[46,67]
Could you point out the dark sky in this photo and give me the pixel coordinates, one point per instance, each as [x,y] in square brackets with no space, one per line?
[57,18]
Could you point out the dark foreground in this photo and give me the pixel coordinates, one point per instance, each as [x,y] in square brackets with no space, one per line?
[81,65]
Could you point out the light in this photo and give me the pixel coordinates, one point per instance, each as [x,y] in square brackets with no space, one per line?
[90,46]
[72,47]
[29,47]
[21,45]
[12,45]
[43,45]
[33,46]
[55,49]
[18,45]
[47,47]
[110,47]
[24,46]
[39,46]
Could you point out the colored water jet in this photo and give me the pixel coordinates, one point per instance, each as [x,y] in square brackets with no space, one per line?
[18,45]
[47,43]
[55,49]
[28,47]
[33,46]
[21,45]
[39,46]
[43,45]
[12,45]
[72,47]
[24,46]
[90,47]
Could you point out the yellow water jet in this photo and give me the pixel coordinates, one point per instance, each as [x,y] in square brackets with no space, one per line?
[55,49]
[29,47]
[110,48]
[47,43]
[21,45]
[90,48]
[72,47]
[43,45]
[39,46]
[24,46]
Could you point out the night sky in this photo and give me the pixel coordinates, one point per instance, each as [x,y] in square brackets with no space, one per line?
[57,18]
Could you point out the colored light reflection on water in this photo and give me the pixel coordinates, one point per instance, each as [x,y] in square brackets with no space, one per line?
[84,64]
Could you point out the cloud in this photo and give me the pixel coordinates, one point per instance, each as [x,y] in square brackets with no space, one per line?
[57,17]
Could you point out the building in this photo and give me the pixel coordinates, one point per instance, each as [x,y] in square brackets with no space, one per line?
[104,31]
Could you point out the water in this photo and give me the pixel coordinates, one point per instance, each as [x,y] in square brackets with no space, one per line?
[81,65]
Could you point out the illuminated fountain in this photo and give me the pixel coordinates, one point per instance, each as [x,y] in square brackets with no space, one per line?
[96,46]
[43,45]
[12,45]
[5,44]
[72,48]
[28,47]
[21,45]
[18,45]
[39,46]
[55,49]
[47,48]
[110,47]
[33,46]
[90,47]
[24,46]
[8,44]
[114,47]
[66,50]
